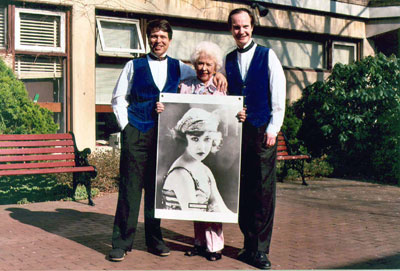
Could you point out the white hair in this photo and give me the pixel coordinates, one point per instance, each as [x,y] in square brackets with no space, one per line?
[210,49]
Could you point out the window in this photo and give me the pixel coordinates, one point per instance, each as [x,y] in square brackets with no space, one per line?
[291,52]
[296,53]
[39,30]
[119,37]
[3,27]
[343,52]
[106,77]
[29,67]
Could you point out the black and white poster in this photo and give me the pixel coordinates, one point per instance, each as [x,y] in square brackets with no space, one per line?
[198,158]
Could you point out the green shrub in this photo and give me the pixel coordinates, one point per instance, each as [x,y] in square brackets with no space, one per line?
[317,166]
[18,114]
[352,118]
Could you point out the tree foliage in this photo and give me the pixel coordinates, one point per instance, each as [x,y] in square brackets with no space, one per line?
[18,114]
[354,118]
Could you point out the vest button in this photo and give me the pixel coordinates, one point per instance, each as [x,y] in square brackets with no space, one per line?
[244,86]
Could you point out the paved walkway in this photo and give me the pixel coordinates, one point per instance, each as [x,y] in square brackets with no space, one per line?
[330,224]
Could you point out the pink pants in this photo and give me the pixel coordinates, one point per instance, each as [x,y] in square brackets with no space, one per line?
[210,235]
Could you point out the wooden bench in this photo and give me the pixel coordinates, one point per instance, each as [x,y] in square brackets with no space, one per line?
[46,154]
[284,153]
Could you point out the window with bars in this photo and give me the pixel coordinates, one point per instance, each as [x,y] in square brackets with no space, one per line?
[3,27]
[39,30]
[29,67]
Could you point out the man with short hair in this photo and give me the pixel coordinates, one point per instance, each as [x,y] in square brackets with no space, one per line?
[134,103]
[255,72]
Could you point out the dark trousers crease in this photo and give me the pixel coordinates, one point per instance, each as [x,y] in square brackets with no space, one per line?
[257,190]
[137,170]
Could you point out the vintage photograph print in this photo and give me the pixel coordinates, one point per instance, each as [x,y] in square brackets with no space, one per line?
[198,158]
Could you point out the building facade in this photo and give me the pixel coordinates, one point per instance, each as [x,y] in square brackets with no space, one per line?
[69,53]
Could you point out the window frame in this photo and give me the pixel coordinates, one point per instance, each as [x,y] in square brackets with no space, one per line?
[42,49]
[124,52]
[344,43]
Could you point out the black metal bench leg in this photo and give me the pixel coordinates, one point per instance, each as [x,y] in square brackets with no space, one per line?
[284,172]
[302,173]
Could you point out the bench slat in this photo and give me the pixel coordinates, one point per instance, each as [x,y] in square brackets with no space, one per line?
[37,165]
[35,137]
[292,157]
[45,171]
[281,148]
[37,150]
[36,143]
[284,153]
[21,158]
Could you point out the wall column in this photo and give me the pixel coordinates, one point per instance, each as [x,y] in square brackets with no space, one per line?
[83,75]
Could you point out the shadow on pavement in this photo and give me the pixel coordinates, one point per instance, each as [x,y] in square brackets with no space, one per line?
[390,262]
[91,229]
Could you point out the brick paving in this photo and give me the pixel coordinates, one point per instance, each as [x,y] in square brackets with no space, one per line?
[330,224]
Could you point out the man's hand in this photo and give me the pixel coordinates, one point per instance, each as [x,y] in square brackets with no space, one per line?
[220,82]
[269,140]
[241,116]
[159,107]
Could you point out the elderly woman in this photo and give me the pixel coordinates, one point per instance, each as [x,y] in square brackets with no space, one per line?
[207,60]
[188,173]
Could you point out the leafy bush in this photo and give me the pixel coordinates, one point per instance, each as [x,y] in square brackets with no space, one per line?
[18,114]
[352,118]
[318,166]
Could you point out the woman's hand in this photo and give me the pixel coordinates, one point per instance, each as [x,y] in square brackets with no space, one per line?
[220,82]
[159,107]
[241,116]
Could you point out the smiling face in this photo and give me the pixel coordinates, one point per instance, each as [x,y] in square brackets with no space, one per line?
[205,67]
[241,28]
[159,42]
[199,146]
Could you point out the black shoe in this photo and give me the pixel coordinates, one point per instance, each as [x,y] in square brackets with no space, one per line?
[213,256]
[117,255]
[196,251]
[260,260]
[159,250]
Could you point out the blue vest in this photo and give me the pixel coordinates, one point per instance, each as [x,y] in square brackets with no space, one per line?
[144,92]
[255,88]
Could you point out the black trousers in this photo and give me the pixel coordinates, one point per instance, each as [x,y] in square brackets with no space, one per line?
[137,172]
[257,189]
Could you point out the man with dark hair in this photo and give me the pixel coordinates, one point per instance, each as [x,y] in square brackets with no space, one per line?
[134,103]
[255,72]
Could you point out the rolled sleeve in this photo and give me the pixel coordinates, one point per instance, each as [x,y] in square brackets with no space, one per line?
[119,101]
[186,71]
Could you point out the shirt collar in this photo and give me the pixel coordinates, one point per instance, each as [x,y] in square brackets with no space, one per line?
[157,58]
[250,44]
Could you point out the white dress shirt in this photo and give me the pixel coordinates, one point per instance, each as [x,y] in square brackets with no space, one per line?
[119,101]
[277,85]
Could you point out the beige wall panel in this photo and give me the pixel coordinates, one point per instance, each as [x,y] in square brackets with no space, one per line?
[218,11]
[313,23]
[297,80]
[83,75]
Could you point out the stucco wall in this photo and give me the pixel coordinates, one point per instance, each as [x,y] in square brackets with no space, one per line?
[83,75]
